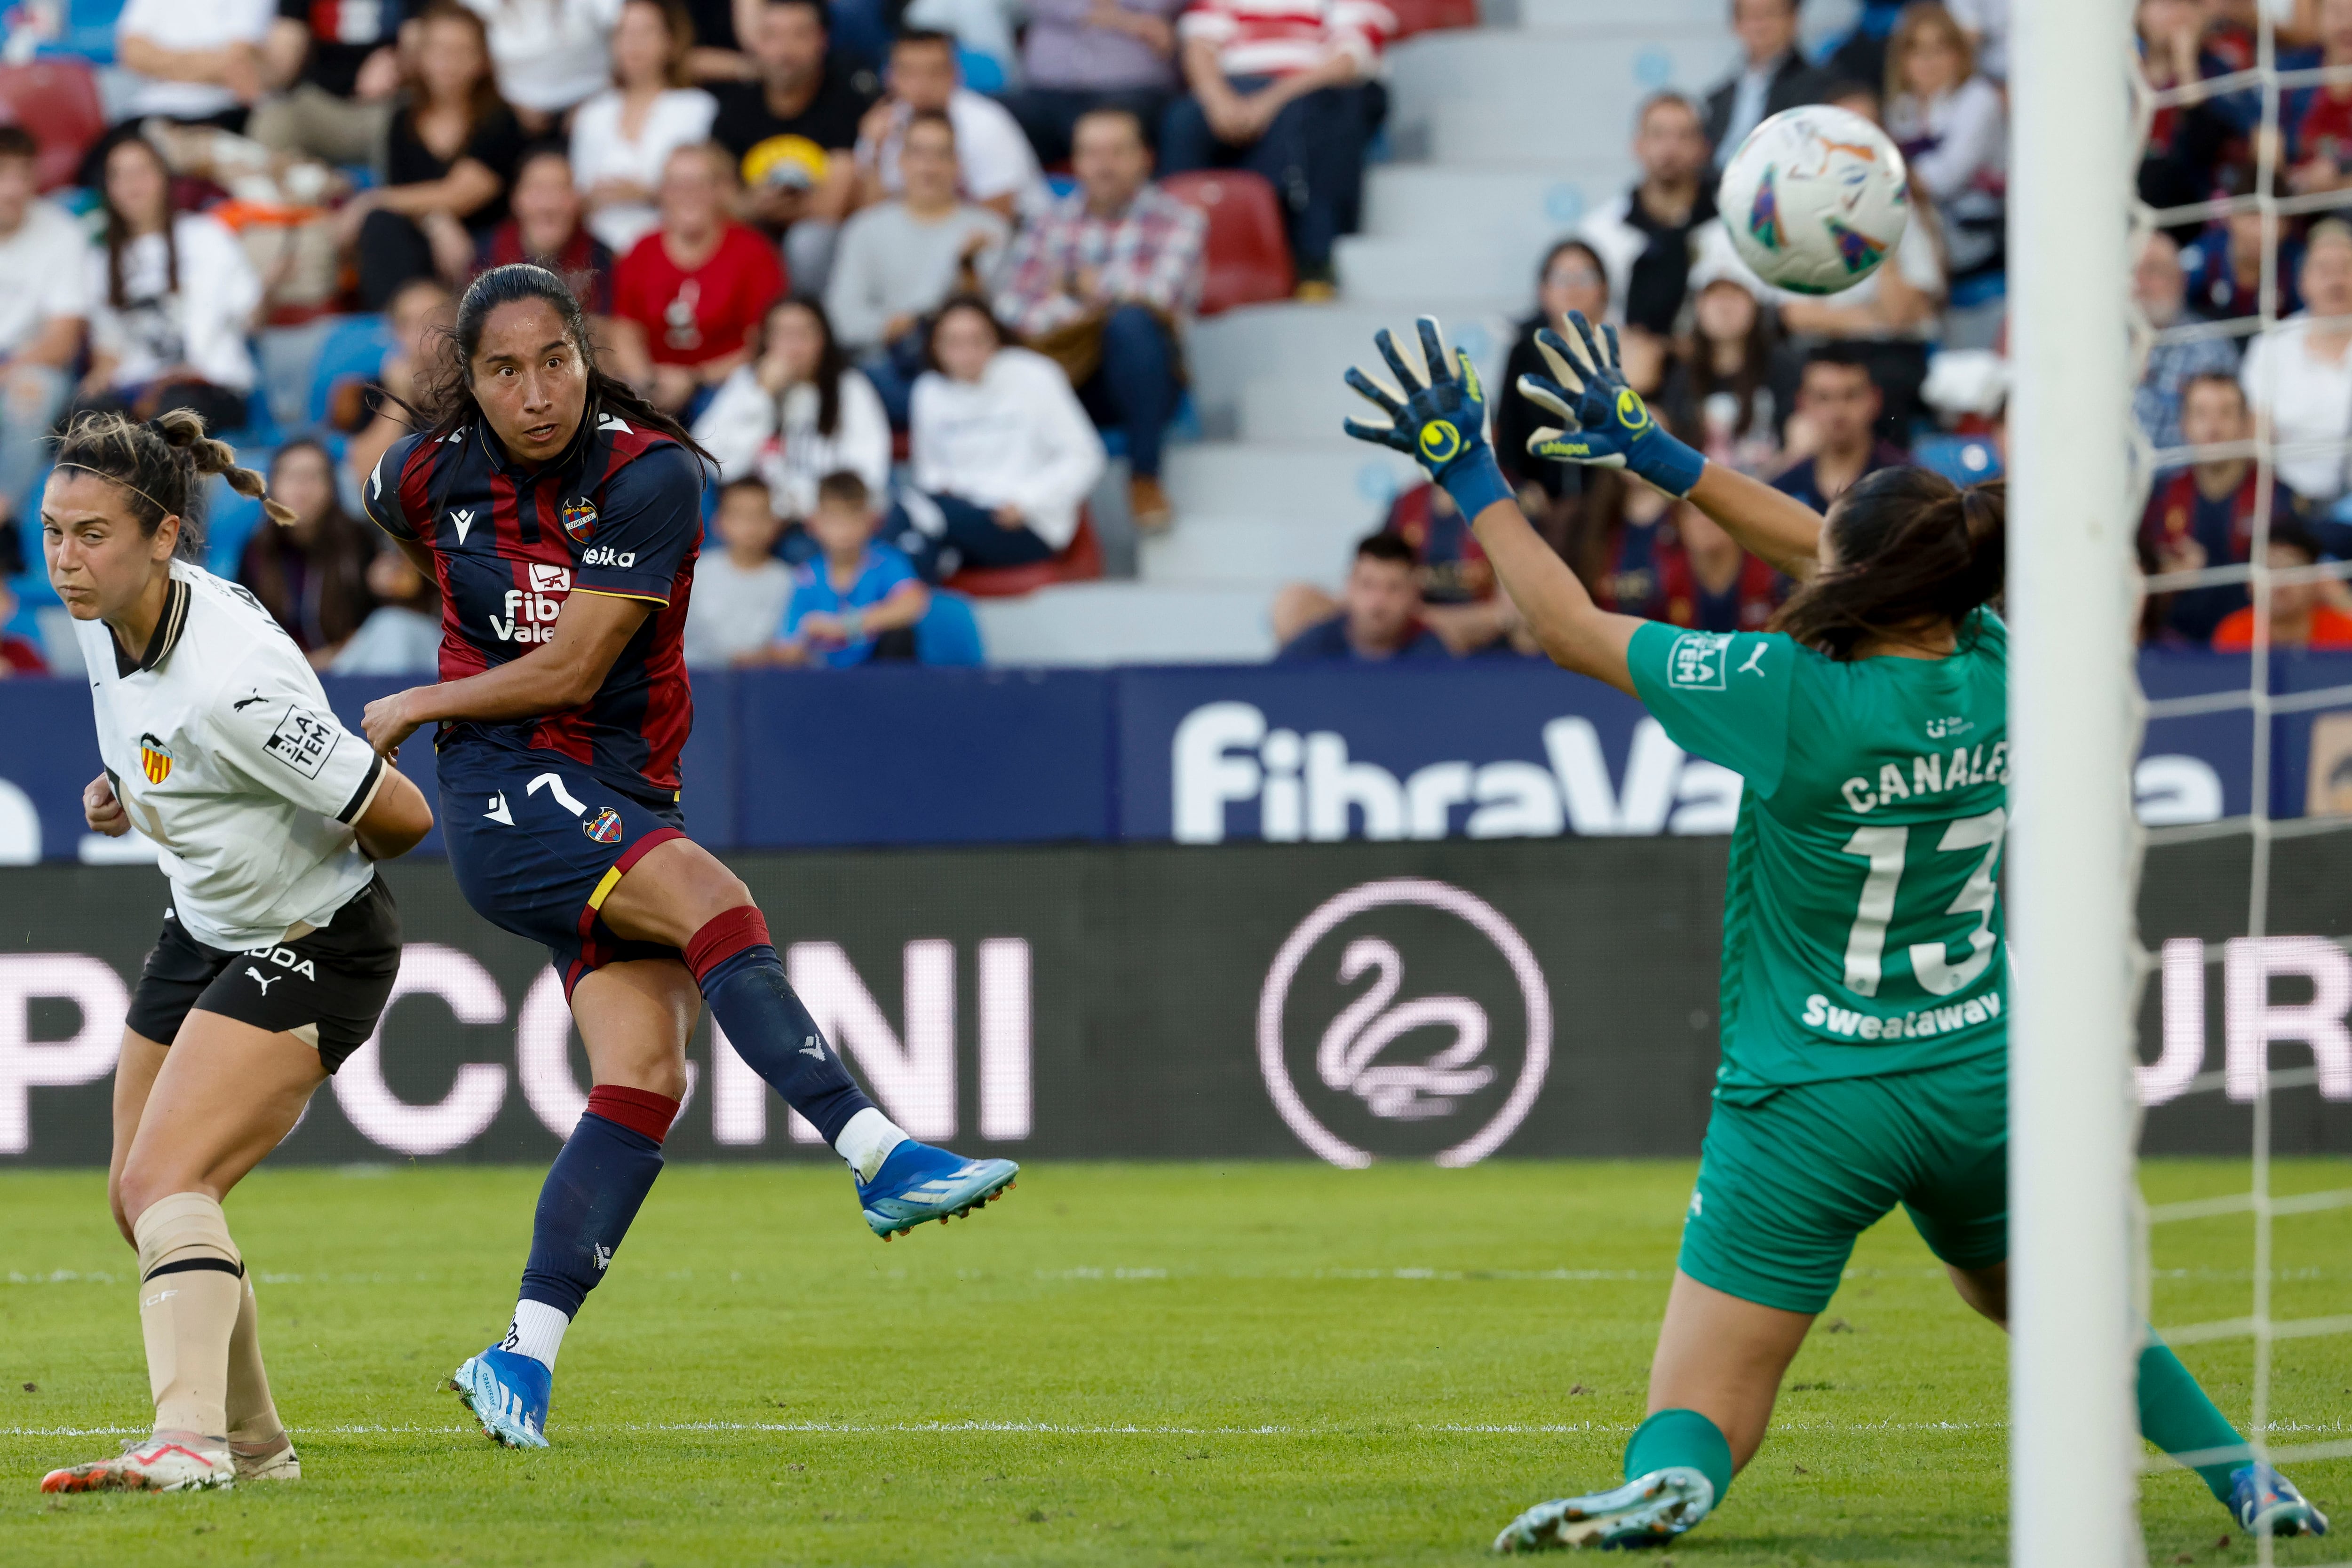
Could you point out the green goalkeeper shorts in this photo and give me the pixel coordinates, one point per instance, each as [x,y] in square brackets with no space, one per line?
[1786,1183]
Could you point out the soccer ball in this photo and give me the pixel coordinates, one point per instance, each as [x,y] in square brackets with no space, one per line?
[1814,199]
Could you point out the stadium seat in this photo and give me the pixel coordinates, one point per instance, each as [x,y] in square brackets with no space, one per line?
[1248,249]
[948,633]
[352,351]
[58,102]
[1428,16]
[1082,561]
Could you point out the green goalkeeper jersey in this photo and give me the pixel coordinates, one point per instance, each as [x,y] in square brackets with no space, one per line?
[1862,920]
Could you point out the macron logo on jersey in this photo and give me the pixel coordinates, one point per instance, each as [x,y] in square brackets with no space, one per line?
[461,520]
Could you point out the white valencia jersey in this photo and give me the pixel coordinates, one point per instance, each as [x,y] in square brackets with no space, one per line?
[223,750]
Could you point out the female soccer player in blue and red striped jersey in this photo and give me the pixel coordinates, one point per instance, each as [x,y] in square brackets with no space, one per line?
[560,515]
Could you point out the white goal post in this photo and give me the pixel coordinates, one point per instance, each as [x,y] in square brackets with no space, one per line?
[2074,1446]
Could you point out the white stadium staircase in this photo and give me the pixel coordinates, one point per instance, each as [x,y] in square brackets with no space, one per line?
[1499,138]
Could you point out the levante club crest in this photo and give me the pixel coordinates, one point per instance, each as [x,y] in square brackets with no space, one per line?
[604,827]
[580,519]
[154,759]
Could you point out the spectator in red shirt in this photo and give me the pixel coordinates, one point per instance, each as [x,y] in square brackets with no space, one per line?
[688,300]
[2203,515]
[1285,87]
[2300,620]
[546,228]
[1709,583]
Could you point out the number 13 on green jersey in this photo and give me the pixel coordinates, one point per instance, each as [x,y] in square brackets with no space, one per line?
[1862,923]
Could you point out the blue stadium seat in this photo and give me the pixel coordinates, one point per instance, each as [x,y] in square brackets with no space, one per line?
[88,33]
[229,518]
[948,633]
[1962,459]
[982,73]
[352,350]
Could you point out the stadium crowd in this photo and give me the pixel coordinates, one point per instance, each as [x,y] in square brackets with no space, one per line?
[914,284]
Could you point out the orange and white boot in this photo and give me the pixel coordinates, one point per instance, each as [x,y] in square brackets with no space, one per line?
[167,1461]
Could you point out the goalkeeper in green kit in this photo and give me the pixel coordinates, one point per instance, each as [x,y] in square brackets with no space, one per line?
[1865,992]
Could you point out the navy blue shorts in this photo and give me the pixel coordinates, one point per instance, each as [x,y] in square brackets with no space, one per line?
[538,841]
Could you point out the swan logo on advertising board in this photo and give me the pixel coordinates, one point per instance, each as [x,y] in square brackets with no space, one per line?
[1404,1018]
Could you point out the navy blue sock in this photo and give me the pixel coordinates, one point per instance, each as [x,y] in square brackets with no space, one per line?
[592,1193]
[767,1023]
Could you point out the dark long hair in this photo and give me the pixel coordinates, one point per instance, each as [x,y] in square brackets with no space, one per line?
[832,362]
[444,395]
[160,466]
[483,105]
[117,227]
[334,586]
[1701,381]
[1912,549]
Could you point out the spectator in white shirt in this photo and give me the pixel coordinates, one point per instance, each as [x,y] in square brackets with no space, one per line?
[2299,373]
[621,137]
[995,164]
[1949,121]
[740,592]
[796,414]
[41,323]
[193,60]
[1005,454]
[550,54]
[174,298]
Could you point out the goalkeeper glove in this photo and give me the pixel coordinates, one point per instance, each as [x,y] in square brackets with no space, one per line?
[1442,425]
[1603,422]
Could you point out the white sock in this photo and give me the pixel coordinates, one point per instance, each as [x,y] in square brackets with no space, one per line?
[867,1141]
[537,1332]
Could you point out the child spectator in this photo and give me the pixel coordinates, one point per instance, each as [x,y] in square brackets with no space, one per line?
[2159,290]
[995,166]
[402,636]
[621,137]
[2300,371]
[194,61]
[1950,124]
[550,54]
[1084,55]
[1645,239]
[793,132]
[1283,88]
[546,230]
[175,299]
[340,66]
[740,594]
[2203,515]
[2300,620]
[1836,405]
[1570,279]
[858,600]
[449,157]
[899,260]
[689,298]
[1380,615]
[796,414]
[1003,455]
[1709,583]
[1098,284]
[41,323]
[311,574]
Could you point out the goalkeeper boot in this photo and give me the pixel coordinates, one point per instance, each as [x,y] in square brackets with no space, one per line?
[508,1395]
[2265,1502]
[917,1184]
[167,1461]
[1642,1512]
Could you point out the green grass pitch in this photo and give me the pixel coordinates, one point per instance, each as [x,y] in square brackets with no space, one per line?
[1119,1364]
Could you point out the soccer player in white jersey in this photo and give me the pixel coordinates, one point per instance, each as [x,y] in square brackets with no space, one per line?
[279,947]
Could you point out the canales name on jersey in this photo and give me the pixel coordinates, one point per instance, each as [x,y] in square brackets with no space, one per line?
[219,744]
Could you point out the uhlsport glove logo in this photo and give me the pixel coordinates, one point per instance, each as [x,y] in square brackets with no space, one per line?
[1632,412]
[1441,443]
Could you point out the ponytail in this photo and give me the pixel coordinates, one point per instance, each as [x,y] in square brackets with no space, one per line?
[1913,549]
[159,466]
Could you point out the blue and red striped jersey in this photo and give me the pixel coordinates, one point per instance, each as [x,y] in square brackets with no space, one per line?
[620,512]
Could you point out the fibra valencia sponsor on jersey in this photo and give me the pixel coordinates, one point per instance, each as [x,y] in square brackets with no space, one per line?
[531,612]
[1826,1015]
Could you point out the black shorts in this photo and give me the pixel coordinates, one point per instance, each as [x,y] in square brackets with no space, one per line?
[328,987]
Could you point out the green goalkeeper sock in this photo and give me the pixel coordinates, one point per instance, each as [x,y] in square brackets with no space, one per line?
[2177,1417]
[1682,1437]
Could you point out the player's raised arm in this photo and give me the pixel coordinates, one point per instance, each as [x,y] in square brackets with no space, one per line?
[1605,424]
[1443,426]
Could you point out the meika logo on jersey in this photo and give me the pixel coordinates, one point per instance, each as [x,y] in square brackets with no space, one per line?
[530,613]
[605,555]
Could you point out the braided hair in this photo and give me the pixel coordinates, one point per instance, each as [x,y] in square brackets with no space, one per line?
[160,465]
